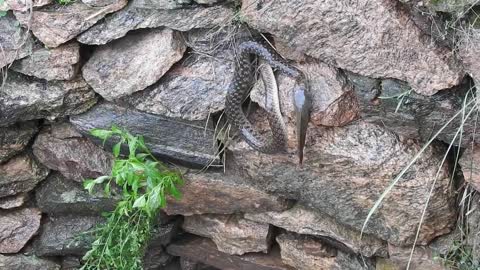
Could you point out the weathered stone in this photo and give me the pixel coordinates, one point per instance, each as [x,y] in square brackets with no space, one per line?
[204,250]
[20,174]
[54,25]
[13,201]
[308,221]
[51,64]
[24,98]
[155,256]
[423,258]
[62,236]
[306,253]
[457,7]
[113,70]
[185,141]
[71,263]
[160,4]
[470,162]
[231,233]
[155,259]
[191,90]
[469,51]
[344,171]
[17,227]
[58,195]
[392,104]
[227,195]
[333,99]
[62,148]
[98,3]
[472,236]
[130,18]
[16,42]
[22,5]
[22,262]
[333,32]
[13,139]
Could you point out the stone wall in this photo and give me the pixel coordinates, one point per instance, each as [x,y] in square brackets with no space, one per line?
[382,80]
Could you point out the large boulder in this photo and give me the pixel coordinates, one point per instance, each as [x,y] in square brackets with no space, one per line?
[23,262]
[17,227]
[231,233]
[20,174]
[132,63]
[56,24]
[344,172]
[62,148]
[132,17]
[13,139]
[347,36]
[51,64]
[25,98]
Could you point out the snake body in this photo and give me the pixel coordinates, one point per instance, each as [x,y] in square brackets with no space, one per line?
[239,90]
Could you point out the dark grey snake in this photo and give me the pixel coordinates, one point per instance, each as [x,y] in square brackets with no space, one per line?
[239,90]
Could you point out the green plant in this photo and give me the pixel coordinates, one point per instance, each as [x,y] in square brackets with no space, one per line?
[144,183]
[65,2]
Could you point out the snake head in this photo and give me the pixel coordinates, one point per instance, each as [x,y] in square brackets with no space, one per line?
[302,104]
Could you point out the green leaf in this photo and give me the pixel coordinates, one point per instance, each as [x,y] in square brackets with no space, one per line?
[116,149]
[88,185]
[101,133]
[140,202]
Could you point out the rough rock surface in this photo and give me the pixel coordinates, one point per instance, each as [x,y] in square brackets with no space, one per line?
[306,253]
[13,201]
[192,89]
[24,98]
[133,62]
[60,236]
[469,51]
[71,263]
[302,220]
[231,233]
[51,64]
[13,139]
[22,262]
[226,196]
[16,42]
[62,148]
[344,171]
[457,7]
[56,24]
[203,250]
[423,258]
[185,141]
[333,98]
[130,18]
[470,163]
[21,5]
[392,104]
[58,195]
[20,174]
[156,256]
[345,35]
[161,4]
[473,223]
[17,227]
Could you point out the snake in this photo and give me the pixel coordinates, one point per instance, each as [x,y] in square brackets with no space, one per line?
[240,87]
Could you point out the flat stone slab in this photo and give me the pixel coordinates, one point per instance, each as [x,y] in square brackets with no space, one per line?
[17,227]
[132,17]
[59,196]
[20,174]
[184,141]
[133,63]
[16,42]
[62,148]
[217,193]
[203,250]
[13,139]
[56,24]
[231,233]
[51,64]
[25,98]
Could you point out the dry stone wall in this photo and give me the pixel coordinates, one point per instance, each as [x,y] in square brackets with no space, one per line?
[382,82]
